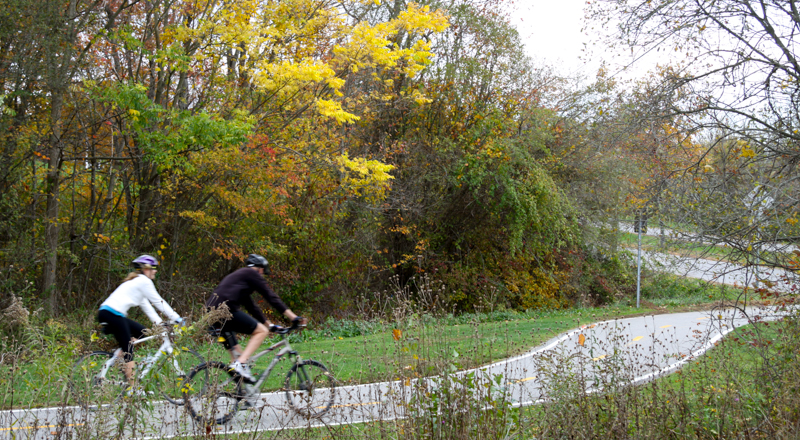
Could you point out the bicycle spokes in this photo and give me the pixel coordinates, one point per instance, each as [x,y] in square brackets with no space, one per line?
[309,388]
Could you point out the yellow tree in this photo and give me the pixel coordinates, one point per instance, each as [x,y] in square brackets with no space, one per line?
[230,111]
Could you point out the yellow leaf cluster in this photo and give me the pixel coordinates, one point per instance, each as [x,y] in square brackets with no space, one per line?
[333,110]
[372,45]
[202,218]
[420,19]
[367,178]
[747,152]
[290,76]
[297,51]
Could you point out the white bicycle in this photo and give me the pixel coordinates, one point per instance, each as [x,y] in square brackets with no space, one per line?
[98,379]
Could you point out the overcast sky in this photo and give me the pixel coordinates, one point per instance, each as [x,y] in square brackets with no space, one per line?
[552,33]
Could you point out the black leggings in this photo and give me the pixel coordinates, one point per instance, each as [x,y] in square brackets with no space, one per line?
[123,329]
[226,331]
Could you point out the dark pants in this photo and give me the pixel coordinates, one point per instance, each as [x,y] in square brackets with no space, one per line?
[226,331]
[123,329]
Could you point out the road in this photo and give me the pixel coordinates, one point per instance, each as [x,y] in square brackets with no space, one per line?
[718,271]
[655,231]
[631,350]
[723,272]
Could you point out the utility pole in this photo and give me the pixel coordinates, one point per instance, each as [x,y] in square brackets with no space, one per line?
[639,226]
[758,201]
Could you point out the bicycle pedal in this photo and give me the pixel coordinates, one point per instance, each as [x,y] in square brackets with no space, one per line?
[239,378]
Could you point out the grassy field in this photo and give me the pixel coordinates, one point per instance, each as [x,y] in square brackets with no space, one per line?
[417,346]
[747,387]
[37,373]
[727,393]
[671,292]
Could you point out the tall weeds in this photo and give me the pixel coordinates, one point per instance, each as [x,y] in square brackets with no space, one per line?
[747,387]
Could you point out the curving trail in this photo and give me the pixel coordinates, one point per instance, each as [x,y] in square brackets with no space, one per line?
[631,350]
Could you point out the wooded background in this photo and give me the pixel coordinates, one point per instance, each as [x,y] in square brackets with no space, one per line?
[359,143]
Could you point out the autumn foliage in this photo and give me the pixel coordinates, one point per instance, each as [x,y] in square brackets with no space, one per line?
[347,141]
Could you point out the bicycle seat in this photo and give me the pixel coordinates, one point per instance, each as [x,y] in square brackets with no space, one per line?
[104,328]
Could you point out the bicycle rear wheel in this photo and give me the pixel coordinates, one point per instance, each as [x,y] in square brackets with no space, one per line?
[210,394]
[94,383]
[310,388]
[170,373]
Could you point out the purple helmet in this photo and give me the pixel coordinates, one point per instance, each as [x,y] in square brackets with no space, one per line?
[145,262]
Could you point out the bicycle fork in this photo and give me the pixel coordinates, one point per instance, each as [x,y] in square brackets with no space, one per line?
[305,383]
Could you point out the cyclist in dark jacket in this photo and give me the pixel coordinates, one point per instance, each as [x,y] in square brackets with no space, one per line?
[235,290]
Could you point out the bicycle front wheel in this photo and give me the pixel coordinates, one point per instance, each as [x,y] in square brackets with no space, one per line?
[210,394]
[171,372]
[310,388]
[97,379]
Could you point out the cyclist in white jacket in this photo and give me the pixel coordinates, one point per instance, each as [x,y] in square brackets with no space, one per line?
[136,290]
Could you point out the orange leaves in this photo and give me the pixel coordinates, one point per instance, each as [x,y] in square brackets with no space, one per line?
[41,156]
[227,249]
[794,261]
[103,239]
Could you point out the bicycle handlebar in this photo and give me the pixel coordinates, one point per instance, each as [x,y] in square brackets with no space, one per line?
[281,330]
[170,327]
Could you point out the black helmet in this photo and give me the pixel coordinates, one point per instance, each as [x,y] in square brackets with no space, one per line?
[255,260]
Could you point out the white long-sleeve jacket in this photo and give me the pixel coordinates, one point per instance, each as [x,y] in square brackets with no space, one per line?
[141,292]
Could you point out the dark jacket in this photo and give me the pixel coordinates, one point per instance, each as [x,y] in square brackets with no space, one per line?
[236,288]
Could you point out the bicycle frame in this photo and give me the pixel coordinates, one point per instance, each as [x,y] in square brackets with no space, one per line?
[149,361]
[287,349]
[219,402]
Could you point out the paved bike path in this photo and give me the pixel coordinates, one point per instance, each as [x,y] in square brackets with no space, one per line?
[631,350]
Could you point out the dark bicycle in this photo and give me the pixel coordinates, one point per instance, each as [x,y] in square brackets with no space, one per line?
[220,392]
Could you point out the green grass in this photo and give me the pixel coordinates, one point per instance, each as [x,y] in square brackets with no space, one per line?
[666,290]
[355,351]
[744,388]
[747,387]
[424,347]
[718,396]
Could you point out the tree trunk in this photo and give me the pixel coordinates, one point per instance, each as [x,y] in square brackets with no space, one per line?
[51,228]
